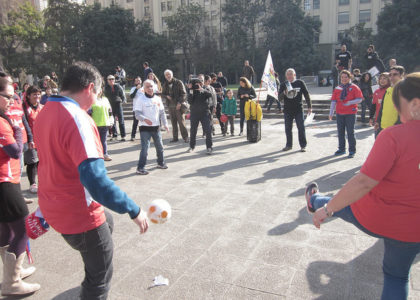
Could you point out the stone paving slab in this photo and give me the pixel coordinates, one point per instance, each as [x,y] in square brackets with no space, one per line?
[239,228]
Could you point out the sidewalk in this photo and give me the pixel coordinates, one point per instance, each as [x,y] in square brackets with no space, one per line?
[239,227]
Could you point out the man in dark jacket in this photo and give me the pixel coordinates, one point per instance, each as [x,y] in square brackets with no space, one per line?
[373,60]
[248,71]
[116,97]
[173,90]
[293,90]
[200,101]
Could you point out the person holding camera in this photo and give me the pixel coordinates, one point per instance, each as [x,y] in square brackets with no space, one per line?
[200,101]
[116,96]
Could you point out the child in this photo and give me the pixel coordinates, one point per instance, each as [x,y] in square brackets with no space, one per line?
[101,113]
[378,95]
[229,108]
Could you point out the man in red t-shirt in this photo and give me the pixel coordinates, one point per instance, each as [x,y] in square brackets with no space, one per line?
[344,100]
[73,184]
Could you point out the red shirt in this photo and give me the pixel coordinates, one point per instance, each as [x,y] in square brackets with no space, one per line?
[66,136]
[9,167]
[15,113]
[378,95]
[392,208]
[353,92]
[32,114]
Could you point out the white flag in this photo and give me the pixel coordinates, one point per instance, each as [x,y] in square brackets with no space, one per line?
[268,79]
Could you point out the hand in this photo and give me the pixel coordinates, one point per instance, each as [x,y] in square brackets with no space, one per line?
[246,95]
[142,221]
[169,97]
[319,217]
[370,122]
[178,106]
[167,129]
[330,118]
[138,86]
[148,122]
[376,126]
[309,111]
[31,145]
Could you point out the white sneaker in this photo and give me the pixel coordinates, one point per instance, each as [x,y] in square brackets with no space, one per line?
[190,150]
[107,157]
[33,188]
[209,151]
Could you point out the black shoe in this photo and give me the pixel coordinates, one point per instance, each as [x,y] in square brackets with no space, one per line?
[173,141]
[132,139]
[123,140]
[339,152]
[303,149]
[351,154]
[240,133]
[287,148]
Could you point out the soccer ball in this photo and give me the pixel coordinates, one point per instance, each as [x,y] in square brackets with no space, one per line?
[159,211]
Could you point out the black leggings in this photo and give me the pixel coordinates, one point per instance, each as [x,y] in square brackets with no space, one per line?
[14,235]
[32,171]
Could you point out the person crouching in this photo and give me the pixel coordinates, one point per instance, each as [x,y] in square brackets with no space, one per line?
[150,112]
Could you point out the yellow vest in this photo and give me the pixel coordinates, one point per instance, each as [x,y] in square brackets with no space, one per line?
[389,112]
[253,110]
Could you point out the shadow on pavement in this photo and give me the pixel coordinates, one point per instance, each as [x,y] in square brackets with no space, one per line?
[69,294]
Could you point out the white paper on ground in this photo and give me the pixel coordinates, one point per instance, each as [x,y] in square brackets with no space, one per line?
[309,119]
[160,280]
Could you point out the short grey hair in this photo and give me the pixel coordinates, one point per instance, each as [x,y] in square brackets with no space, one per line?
[291,70]
[149,81]
[168,71]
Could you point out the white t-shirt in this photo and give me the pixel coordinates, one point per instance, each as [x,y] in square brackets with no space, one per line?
[136,97]
[151,109]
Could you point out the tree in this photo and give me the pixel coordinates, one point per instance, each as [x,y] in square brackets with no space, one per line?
[357,39]
[184,30]
[63,34]
[291,37]
[241,18]
[21,37]
[398,35]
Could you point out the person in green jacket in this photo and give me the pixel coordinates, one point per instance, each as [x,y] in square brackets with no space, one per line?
[101,113]
[229,109]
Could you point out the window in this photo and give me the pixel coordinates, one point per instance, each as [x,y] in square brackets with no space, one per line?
[163,6]
[364,16]
[340,36]
[206,17]
[364,1]
[343,18]
[316,4]
[163,22]
[343,2]
[170,5]
[146,11]
[307,5]
[206,2]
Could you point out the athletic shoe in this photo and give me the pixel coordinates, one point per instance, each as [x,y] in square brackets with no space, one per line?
[303,149]
[107,157]
[339,152]
[122,139]
[311,189]
[287,148]
[173,141]
[209,151]
[163,167]
[351,154]
[190,150]
[224,134]
[240,133]
[141,172]
[132,139]
[33,188]
[232,134]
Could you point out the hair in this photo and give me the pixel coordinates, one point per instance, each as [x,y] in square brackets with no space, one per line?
[169,71]
[212,75]
[400,69]
[207,77]
[356,70]
[290,70]
[372,47]
[386,76]
[347,72]
[146,64]
[149,81]
[409,88]
[32,89]
[227,91]
[78,77]
[246,82]
[364,75]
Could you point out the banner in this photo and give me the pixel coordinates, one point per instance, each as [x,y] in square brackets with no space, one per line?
[268,79]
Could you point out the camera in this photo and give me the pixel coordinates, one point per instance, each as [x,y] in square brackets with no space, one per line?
[195,82]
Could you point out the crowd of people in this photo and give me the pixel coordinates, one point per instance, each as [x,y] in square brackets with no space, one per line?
[73,138]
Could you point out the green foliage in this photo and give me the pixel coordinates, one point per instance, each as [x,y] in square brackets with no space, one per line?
[21,37]
[398,33]
[291,37]
[357,39]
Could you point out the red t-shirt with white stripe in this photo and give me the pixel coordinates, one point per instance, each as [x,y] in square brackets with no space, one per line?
[9,167]
[353,92]
[66,136]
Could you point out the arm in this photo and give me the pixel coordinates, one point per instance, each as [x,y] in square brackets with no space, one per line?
[182,93]
[14,150]
[252,94]
[355,101]
[93,176]
[124,99]
[372,111]
[307,97]
[332,108]
[28,129]
[133,94]
[352,191]
[162,116]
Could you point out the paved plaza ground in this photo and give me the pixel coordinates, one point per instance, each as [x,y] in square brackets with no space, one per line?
[239,228]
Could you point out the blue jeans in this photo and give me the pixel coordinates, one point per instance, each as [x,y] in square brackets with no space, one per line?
[145,137]
[103,132]
[117,112]
[288,124]
[398,256]
[96,248]
[346,123]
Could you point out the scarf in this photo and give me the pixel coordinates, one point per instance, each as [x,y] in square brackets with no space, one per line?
[344,91]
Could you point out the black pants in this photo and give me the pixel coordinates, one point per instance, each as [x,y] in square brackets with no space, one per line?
[231,121]
[242,114]
[134,128]
[218,115]
[117,112]
[195,119]
[288,124]
[96,248]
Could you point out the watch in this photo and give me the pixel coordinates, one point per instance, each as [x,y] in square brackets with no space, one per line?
[328,213]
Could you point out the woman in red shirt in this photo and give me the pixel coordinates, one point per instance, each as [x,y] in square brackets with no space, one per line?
[378,96]
[13,209]
[383,200]
[32,107]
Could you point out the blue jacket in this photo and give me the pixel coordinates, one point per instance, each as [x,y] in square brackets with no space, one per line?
[229,107]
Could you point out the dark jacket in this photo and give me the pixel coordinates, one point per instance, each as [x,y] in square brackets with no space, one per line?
[200,101]
[243,91]
[178,93]
[223,81]
[373,60]
[294,105]
[115,96]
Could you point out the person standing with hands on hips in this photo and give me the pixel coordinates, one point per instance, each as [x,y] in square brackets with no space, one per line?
[293,90]
[71,156]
